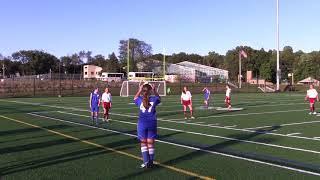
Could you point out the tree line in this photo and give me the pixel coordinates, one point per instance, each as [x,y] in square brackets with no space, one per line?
[261,62]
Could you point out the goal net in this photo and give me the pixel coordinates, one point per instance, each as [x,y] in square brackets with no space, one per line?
[130,88]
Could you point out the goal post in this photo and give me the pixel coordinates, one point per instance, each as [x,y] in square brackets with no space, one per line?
[130,88]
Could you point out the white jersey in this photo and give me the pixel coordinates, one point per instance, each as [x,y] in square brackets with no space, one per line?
[312,93]
[228,92]
[186,96]
[106,97]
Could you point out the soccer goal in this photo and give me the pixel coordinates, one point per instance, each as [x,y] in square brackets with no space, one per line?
[130,88]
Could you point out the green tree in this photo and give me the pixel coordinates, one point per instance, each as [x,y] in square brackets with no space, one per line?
[139,51]
[266,71]
[36,62]
[213,59]
[113,63]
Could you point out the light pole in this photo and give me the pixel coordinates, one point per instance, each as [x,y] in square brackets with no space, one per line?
[278,64]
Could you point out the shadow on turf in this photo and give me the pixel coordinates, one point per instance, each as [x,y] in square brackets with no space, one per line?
[53,160]
[19,108]
[30,130]
[224,147]
[41,136]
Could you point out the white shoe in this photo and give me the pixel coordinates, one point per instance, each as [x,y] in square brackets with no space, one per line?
[192,117]
[310,113]
[315,113]
[143,165]
[185,118]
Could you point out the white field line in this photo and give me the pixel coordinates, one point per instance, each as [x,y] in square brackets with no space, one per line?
[287,124]
[191,123]
[230,126]
[316,137]
[207,135]
[192,147]
[246,114]
[215,124]
[292,134]
[247,106]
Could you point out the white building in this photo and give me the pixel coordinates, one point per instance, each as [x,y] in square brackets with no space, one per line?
[91,72]
[194,72]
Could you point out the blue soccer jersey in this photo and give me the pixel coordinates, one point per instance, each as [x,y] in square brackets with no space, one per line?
[206,94]
[95,102]
[147,123]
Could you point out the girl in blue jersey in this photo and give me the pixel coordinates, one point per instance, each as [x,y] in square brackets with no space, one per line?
[94,103]
[147,123]
[206,96]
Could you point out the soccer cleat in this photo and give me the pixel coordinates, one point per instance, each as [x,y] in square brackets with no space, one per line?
[192,117]
[143,165]
[315,113]
[310,113]
[185,118]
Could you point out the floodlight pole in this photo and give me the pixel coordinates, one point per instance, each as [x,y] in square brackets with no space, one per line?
[128,58]
[239,70]
[278,52]
[3,70]
[164,63]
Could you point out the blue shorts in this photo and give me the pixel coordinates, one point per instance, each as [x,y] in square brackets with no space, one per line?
[94,108]
[145,132]
[206,98]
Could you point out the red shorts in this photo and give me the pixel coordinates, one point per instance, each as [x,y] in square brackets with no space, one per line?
[228,99]
[106,105]
[312,100]
[186,103]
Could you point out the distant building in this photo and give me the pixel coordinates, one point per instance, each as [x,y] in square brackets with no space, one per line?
[252,80]
[185,71]
[193,72]
[309,80]
[91,72]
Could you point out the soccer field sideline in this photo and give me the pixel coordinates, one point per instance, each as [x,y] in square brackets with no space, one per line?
[189,147]
[191,123]
[206,117]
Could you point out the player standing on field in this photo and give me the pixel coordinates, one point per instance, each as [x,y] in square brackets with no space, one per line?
[186,101]
[312,95]
[147,122]
[206,96]
[94,103]
[228,97]
[107,103]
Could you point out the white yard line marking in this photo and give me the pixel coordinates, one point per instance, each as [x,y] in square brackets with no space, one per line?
[189,123]
[192,147]
[292,134]
[231,126]
[215,124]
[248,114]
[247,106]
[208,135]
[287,124]
[316,137]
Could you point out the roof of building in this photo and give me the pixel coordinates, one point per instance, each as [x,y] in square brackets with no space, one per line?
[308,80]
[197,66]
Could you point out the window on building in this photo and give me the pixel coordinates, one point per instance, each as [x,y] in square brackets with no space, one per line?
[85,73]
[92,73]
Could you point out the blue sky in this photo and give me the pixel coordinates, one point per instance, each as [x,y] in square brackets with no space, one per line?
[62,27]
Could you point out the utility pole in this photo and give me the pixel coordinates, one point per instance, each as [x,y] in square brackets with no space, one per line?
[3,70]
[278,51]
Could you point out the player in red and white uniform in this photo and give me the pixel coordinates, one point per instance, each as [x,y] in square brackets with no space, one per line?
[312,95]
[107,103]
[186,101]
[228,97]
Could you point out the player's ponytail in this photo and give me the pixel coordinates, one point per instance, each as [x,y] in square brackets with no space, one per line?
[146,93]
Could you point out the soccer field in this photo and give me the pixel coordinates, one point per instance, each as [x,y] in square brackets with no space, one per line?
[273,137]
